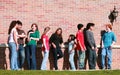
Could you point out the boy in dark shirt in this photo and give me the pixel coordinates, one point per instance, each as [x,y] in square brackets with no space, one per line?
[21,41]
[91,46]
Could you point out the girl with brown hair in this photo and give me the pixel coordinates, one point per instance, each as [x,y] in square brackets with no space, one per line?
[56,40]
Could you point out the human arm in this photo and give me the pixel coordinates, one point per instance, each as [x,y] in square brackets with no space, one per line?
[80,40]
[113,39]
[53,45]
[52,40]
[37,37]
[71,46]
[32,38]
[22,35]
[15,38]
[44,44]
[28,36]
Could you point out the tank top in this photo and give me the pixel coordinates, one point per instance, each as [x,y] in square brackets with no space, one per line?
[11,36]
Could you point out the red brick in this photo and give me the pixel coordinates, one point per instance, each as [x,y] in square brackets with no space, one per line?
[60,13]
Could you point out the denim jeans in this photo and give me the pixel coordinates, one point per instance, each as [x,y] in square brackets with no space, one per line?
[106,52]
[21,55]
[81,59]
[44,61]
[13,61]
[31,56]
[91,58]
[71,60]
[57,54]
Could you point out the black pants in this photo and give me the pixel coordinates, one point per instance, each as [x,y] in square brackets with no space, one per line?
[57,54]
[91,58]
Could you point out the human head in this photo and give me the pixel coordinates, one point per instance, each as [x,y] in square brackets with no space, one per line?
[59,31]
[19,24]
[12,25]
[108,27]
[46,30]
[90,26]
[80,26]
[34,27]
[71,37]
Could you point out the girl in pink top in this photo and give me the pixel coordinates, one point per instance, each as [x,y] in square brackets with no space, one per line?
[45,47]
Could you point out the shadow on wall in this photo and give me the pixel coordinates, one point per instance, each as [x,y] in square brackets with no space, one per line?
[66,65]
[4,58]
[100,51]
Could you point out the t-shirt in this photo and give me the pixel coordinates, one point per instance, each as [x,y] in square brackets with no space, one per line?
[57,40]
[36,34]
[80,38]
[11,36]
[20,40]
[90,39]
[108,38]
[46,42]
[71,46]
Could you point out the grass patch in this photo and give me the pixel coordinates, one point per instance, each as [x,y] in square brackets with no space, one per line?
[39,72]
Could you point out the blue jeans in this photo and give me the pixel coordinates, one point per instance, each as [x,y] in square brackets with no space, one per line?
[13,62]
[106,52]
[21,55]
[31,56]
[81,59]
[57,54]
[44,61]
[71,60]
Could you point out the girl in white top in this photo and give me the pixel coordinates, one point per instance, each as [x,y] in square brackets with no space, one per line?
[13,44]
[71,50]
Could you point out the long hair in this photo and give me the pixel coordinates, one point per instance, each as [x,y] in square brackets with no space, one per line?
[60,35]
[35,26]
[12,25]
[46,30]
[72,37]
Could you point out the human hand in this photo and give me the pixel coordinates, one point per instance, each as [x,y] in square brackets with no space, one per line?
[102,46]
[17,47]
[53,45]
[70,51]
[45,51]
[93,48]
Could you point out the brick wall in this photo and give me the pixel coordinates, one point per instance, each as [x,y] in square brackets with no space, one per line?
[59,13]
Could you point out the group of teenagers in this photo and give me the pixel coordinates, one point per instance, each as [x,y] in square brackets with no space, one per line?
[22,44]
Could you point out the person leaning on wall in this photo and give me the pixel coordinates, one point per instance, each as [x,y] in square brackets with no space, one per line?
[108,40]
[31,45]
[13,44]
[21,42]
[45,47]
[91,45]
[56,40]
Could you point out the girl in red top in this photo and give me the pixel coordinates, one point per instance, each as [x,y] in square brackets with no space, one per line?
[45,48]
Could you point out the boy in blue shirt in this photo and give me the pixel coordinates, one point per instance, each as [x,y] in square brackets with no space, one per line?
[108,40]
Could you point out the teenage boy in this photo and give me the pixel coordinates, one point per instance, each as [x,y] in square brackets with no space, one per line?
[21,41]
[80,46]
[108,40]
[91,46]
